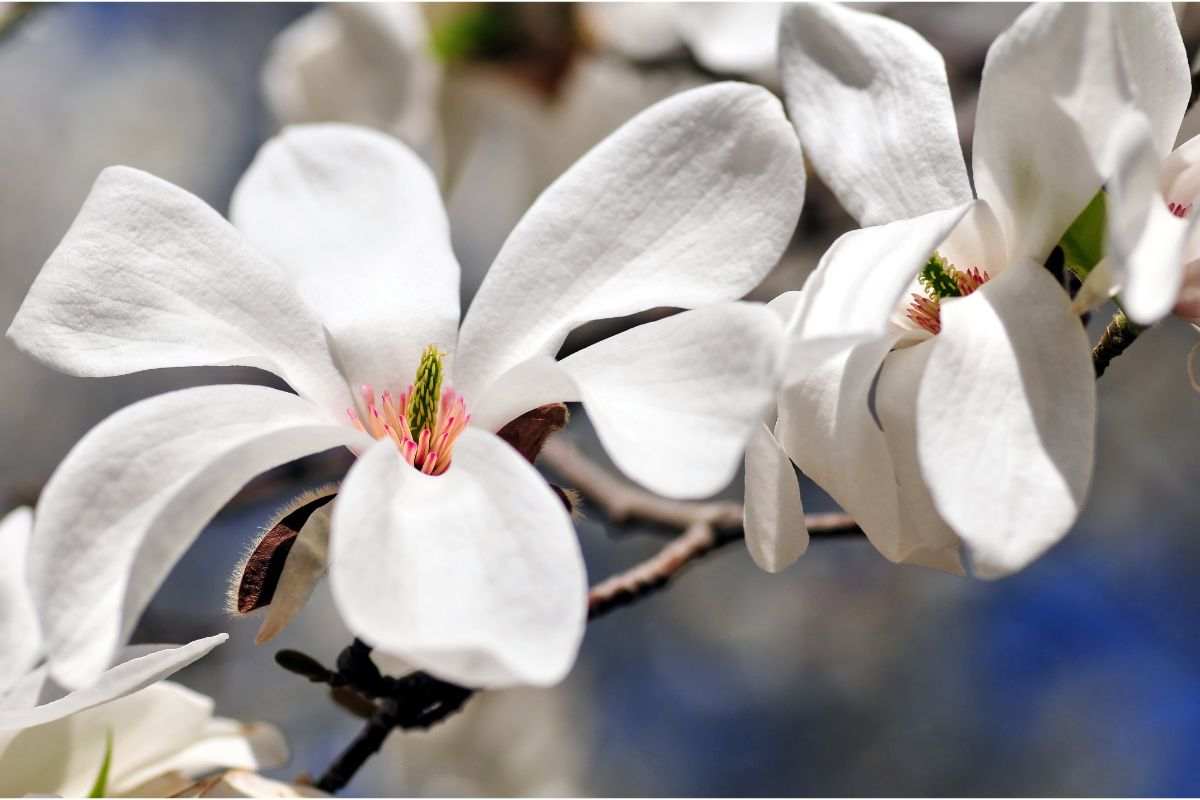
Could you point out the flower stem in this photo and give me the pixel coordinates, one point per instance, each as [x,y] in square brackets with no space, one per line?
[1120,333]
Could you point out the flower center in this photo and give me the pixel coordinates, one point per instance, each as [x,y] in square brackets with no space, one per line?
[941,279]
[423,421]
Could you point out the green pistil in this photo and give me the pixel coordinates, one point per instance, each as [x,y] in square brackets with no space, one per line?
[938,277]
[427,392]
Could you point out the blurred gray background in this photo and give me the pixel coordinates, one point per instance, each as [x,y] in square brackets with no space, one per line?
[844,675]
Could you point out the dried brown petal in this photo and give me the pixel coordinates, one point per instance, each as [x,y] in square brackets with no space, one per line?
[254,583]
[528,432]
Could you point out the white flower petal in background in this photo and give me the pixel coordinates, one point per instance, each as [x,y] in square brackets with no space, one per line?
[355,220]
[18,616]
[363,63]
[475,574]
[134,493]
[870,99]
[657,214]
[161,728]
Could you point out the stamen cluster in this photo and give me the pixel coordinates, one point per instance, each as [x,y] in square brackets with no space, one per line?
[423,421]
[1180,210]
[940,279]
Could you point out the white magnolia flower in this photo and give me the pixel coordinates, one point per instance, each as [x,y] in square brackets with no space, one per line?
[961,406]
[1152,245]
[363,63]
[726,38]
[54,741]
[447,549]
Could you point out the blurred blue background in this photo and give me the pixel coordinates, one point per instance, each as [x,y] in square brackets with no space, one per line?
[845,675]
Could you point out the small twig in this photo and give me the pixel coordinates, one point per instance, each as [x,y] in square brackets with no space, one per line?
[1120,333]
[622,502]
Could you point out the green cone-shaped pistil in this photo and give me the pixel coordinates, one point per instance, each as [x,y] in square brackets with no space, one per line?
[938,277]
[427,392]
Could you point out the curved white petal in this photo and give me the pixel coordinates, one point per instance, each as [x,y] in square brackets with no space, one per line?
[18,616]
[692,202]
[1055,86]
[125,678]
[1156,61]
[861,279]
[733,38]
[827,426]
[1006,418]
[362,63]
[776,534]
[870,100]
[673,401]
[149,276]
[355,218]
[133,494]
[474,575]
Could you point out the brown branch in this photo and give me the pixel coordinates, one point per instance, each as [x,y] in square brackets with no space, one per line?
[622,502]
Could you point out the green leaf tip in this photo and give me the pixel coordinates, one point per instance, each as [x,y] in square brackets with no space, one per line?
[100,785]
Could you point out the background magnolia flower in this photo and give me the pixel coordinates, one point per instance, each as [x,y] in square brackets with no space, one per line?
[54,742]
[726,38]
[1151,247]
[960,406]
[339,274]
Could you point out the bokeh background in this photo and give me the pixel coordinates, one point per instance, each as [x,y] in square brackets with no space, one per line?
[844,675]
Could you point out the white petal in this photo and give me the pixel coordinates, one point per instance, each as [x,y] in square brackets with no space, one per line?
[474,575]
[1006,418]
[640,31]
[220,743]
[1054,86]
[870,100]
[123,679]
[364,63]
[827,427]
[733,38]
[861,279]
[135,492]
[18,617]
[674,401]
[775,531]
[240,783]
[305,566]
[1156,61]
[356,219]
[149,276]
[691,202]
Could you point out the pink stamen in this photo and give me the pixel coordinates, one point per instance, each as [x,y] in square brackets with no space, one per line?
[1180,210]
[386,416]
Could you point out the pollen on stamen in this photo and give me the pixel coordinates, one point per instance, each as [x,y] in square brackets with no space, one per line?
[427,449]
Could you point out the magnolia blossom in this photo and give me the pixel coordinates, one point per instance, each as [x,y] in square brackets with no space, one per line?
[1152,245]
[940,387]
[160,734]
[726,38]
[446,548]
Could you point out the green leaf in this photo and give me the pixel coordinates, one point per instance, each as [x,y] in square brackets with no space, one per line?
[1083,243]
[100,785]
[470,33]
